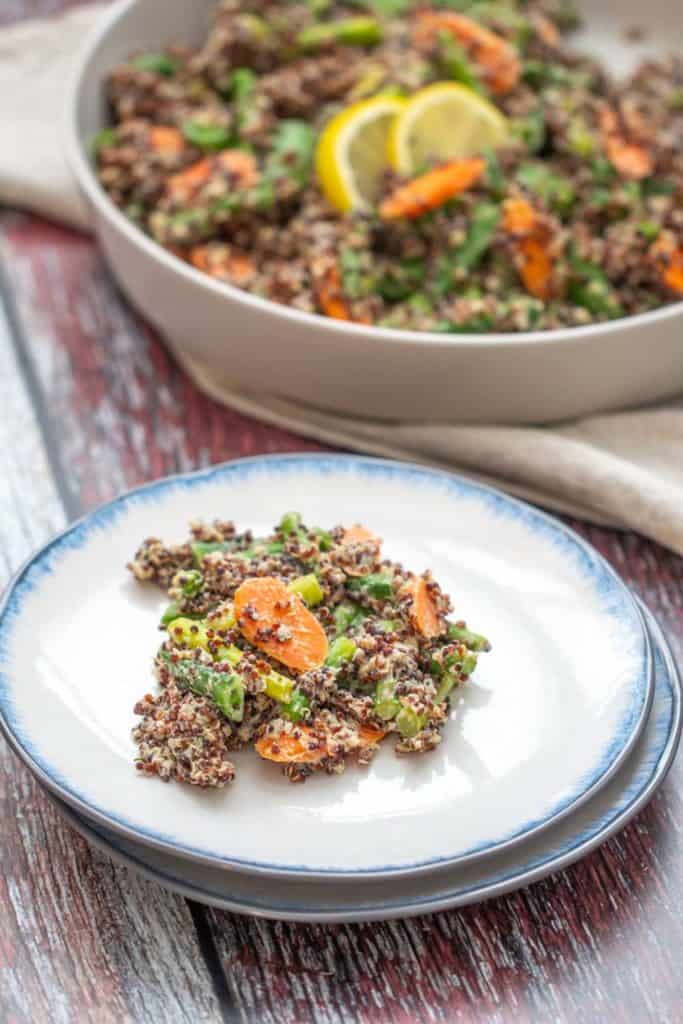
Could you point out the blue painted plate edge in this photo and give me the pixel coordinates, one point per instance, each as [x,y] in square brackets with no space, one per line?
[586,557]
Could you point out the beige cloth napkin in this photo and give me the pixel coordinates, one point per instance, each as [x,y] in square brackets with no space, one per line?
[623,469]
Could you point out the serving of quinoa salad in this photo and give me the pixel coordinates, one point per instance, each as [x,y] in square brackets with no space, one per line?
[306,644]
[575,217]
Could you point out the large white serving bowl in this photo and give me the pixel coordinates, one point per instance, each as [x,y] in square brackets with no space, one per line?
[371,371]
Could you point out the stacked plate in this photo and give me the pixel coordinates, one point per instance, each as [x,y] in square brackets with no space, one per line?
[565,731]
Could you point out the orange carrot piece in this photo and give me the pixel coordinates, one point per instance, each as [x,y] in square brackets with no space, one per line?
[165,139]
[424,613]
[630,156]
[241,165]
[186,183]
[308,747]
[266,610]
[496,58]
[668,258]
[358,534]
[288,749]
[224,263]
[329,291]
[531,237]
[433,189]
[369,735]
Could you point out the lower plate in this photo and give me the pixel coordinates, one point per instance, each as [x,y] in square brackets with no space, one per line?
[337,900]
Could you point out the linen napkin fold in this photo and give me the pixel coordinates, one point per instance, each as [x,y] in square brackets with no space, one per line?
[621,469]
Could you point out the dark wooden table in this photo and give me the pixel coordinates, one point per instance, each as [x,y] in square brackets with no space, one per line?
[92,404]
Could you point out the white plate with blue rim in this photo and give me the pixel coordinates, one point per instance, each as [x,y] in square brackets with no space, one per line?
[549,717]
[608,811]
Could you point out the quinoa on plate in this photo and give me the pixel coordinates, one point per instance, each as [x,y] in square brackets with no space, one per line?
[450,166]
[305,644]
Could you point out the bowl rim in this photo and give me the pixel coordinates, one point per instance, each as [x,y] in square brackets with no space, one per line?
[82,168]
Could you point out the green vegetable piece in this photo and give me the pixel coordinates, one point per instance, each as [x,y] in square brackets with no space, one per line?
[386,704]
[453,60]
[103,140]
[408,721]
[323,538]
[649,229]
[405,277]
[308,588]
[297,707]
[188,632]
[555,189]
[361,31]
[378,585]
[291,155]
[290,523]
[468,664]
[191,582]
[580,139]
[448,681]
[388,8]
[602,171]
[495,179]
[200,548]
[675,100]
[225,690]
[388,625]
[233,655]
[596,296]
[228,695]
[347,615]
[341,650]
[242,82]
[480,233]
[531,130]
[210,137]
[172,612]
[159,63]
[535,73]
[278,687]
[659,187]
[473,641]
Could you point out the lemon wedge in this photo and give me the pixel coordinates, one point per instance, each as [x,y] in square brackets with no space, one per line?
[444,121]
[352,156]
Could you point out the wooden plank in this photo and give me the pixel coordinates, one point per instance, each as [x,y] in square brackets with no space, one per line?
[81,939]
[599,940]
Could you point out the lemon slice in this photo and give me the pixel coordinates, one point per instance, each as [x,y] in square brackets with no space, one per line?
[352,156]
[444,121]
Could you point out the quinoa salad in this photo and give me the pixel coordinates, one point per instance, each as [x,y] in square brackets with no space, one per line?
[450,167]
[306,644]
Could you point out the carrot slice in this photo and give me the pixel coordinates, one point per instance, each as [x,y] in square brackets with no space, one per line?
[241,165]
[668,258]
[329,291]
[308,747]
[223,263]
[186,183]
[369,735]
[425,615]
[358,534]
[494,56]
[532,242]
[433,189]
[165,139]
[289,749]
[277,621]
[628,155]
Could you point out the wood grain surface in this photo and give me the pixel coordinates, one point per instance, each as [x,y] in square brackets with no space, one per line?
[92,404]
